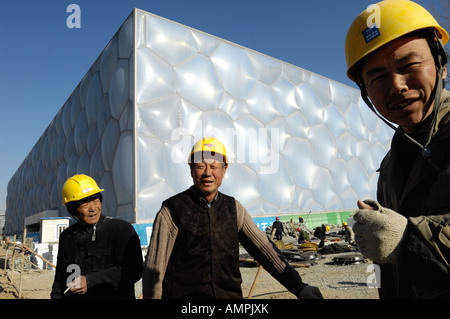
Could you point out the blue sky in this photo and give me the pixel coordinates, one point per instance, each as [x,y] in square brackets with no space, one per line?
[42,60]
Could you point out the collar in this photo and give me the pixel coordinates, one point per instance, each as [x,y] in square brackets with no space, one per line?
[201,199]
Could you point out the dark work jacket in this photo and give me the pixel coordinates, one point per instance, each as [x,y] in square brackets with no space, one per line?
[413,188]
[205,259]
[110,258]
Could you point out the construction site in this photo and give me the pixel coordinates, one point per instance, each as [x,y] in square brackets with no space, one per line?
[298,144]
[338,269]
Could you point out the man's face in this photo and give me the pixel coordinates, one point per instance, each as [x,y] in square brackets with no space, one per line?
[89,212]
[207,176]
[400,79]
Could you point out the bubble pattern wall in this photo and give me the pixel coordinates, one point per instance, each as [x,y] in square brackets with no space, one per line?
[296,141]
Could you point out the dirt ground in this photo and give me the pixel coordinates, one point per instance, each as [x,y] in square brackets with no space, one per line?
[335,282]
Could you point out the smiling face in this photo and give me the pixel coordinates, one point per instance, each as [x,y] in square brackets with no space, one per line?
[89,212]
[207,176]
[400,79]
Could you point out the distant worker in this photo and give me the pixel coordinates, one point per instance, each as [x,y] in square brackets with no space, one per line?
[194,246]
[321,233]
[278,226]
[400,64]
[303,235]
[349,235]
[98,256]
[300,220]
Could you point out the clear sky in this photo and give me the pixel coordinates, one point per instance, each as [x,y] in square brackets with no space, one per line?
[42,60]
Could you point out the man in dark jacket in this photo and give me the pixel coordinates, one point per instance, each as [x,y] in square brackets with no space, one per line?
[99,256]
[400,66]
[194,247]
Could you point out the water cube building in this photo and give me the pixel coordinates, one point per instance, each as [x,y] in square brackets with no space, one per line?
[296,141]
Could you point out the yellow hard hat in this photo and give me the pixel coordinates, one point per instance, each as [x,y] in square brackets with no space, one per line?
[396,18]
[79,187]
[344,224]
[327,228]
[211,145]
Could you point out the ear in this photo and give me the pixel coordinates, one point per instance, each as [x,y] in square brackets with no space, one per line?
[444,74]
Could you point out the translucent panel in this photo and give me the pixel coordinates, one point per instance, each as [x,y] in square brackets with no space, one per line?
[324,145]
[334,120]
[321,87]
[126,212]
[234,69]
[83,164]
[205,43]
[161,116]
[355,123]
[108,63]
[267,70]
[109,143]
[171,41]
[286,97]
[126,38]
[301,162]
[118,92]
[359,179]
[104,115]
[123,169]
[310,105]
[154,76]
[340,95]
[97,167]
[364,153]
[92,140]
[93,100]
[198,83]
[297,125]
[241,182]
[324,182]
[149,202]
[282,194]
[190,115]
[304,199]
[261,103]
[177,171]
[80,134]
[109,205]
[151,159]
[213,123]
[76,108]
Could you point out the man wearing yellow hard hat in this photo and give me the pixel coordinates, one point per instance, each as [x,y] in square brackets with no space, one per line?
[194,246]
[395,53]
[98,257]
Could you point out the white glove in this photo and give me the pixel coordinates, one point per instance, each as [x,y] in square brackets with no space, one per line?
[310,292]
[379,232]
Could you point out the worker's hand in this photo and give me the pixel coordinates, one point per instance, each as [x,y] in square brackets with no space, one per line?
[310,292]
[78,286]
[379,232]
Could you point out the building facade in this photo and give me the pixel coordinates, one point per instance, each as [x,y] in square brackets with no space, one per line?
[296,141]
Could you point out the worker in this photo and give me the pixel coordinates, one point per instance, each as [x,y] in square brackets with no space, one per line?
[303,235]
[98,256]
[278,226]
[300,221]
[321,233]
[400,65]
[349,235]
[194,246]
